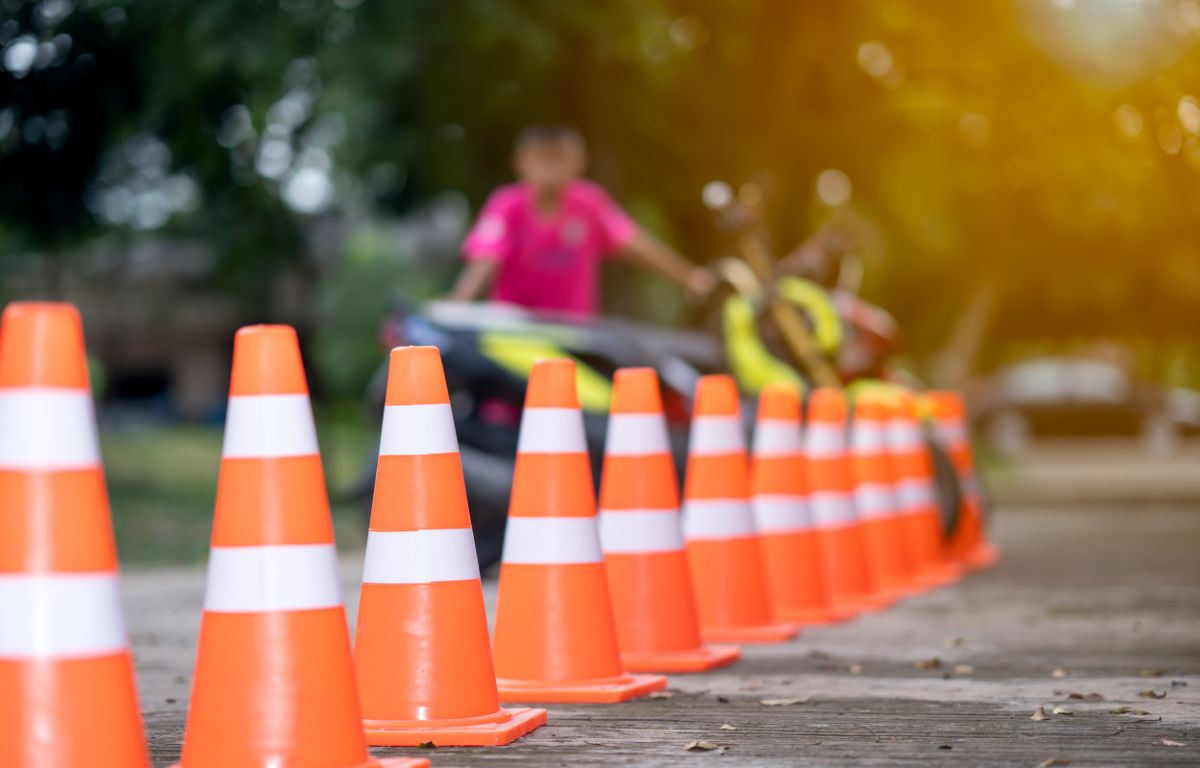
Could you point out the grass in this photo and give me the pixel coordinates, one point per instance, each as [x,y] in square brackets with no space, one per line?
[163,483]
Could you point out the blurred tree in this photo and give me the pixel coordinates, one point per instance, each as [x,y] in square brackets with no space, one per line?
[1028,169]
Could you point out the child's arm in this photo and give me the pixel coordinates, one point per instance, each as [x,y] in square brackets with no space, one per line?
[654,253]
[474,280]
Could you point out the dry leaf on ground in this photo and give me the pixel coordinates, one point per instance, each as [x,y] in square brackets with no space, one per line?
[1127,711]
[1040,714]
[1080,696]
[1053,762]
[1059,672]
[782,702]
[856,669]
[934,663]
[699,746]
[1152,672]
[1061,710]
[1172,743]
[1150,693]
[728,727]
[964,669]
[662,694]
[954,642]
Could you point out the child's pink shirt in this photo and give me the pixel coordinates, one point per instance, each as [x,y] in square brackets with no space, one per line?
[549,261]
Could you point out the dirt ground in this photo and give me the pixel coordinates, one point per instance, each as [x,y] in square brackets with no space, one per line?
[1098,599]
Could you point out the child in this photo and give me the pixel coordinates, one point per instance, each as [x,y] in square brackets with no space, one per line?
[539,242]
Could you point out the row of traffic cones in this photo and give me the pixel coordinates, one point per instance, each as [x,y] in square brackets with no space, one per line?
[805,535]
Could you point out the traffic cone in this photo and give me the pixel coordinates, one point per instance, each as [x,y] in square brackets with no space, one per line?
[969,543]
[555,639]
[915,491]
[421,650]
[722,545]
[653,604]
[831,485]
[67,691]
[888,562]
[795,572]
[274,682]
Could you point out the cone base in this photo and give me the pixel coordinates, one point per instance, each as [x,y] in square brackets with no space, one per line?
[983,556]
[779,632]
[813,617]
[582,691]
[867,603]
[383,733]
[699,659]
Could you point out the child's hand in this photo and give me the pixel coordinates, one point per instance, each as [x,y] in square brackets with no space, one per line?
[700,284]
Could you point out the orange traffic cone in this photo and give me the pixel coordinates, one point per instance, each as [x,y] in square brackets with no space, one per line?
[875,499]
[722,545]
[831,500]
[969,543]
[274,681]
[422,652]
[640,533]
[555,639]
[795,572]
[916,494]
[67,692]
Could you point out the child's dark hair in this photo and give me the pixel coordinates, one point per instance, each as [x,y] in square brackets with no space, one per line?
[548,133]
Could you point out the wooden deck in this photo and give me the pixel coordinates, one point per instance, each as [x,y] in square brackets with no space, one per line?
[1087,601]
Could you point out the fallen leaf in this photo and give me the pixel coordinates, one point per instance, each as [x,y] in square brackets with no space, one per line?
[752,685]
[1178,683]
[782,702]
[661,694]
[1061,710]
[934,663]
[1054,762]
[1040,714]
[699,746]
[1172,743]
[1152,672]
[1059,672]
[1083,696]
[954,642]
[728,727]
[856,669]
[945,746]
[722,699]
[964,669]
[1127,711]
[427,745]
[1150,693]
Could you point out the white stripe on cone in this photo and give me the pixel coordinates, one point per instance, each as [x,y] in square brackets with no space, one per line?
[551,430]
[60,616]
[824,441]
[777,437]
[951,431]
[278,577]
[717,519]
[916,495]
[552,541]
[716,435]
[868,438]
[269,427]
[43,428]
[831,509]
[420,557]
[875,501]
[418,430]
[780,513]
[636,434]
[640,531]
[904,437]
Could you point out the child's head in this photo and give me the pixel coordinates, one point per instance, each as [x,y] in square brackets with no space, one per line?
[548,156]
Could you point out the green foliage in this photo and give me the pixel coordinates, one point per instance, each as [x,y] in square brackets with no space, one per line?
[1051,150]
